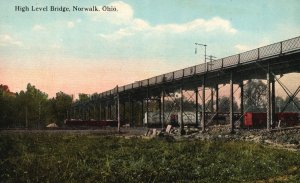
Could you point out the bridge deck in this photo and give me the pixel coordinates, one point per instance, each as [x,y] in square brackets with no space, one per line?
[280,58]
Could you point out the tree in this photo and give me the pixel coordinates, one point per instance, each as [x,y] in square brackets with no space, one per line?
[255,96]
[224,105]
[29,104]
[62,105]
[7,110]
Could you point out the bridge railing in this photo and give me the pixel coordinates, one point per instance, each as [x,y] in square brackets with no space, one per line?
[290,45]
[230,61]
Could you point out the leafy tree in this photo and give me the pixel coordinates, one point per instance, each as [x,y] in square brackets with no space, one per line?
[30,104]
[62,103]
[255,96]
[224,105]
[7,100]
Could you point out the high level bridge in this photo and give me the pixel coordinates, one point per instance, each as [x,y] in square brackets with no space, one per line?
[133,102]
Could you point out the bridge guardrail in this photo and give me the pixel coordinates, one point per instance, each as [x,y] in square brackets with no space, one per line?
[290,45]
[251,55]
[269,50]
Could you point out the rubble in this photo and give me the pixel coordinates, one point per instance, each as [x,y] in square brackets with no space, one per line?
[281,138]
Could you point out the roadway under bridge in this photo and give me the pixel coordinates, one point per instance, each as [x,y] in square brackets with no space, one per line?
[167,93]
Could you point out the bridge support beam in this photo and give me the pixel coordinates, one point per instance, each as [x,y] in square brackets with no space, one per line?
[147,107]
[217,100]
[241,85]
[104,112]
[162,109]
[270,101]
[203,105]
[131,111]
[124,112]
[119,116]
[197,107]
[107,111]
[273,102]
[181,112]
[231,104]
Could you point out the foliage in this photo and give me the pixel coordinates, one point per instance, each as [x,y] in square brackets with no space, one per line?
[224,105]
[60,157]
[255,96]
[7,103]
[30,104]
[62,103]
[32,108]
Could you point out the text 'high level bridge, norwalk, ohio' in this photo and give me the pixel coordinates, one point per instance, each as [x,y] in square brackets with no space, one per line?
[134,102]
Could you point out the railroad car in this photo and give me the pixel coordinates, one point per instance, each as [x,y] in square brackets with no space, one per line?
[259,120]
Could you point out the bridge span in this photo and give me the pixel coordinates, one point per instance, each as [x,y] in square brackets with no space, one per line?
[133,103]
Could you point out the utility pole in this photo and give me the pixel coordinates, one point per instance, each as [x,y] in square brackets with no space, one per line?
[199,44]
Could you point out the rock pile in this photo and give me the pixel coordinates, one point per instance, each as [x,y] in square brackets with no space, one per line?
[281,138]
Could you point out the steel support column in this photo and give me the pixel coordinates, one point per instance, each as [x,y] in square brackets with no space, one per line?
[203,105]
[119,117]
[181,112]
[197,108]
[268,101]
[116,108]
[107,111]
[241,85]
[160,112]
[231,104]
[124,112]
[147,107]
[217,100]
[131,111]
[273,102]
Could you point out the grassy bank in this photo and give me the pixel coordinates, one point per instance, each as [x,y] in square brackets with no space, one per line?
[58,157]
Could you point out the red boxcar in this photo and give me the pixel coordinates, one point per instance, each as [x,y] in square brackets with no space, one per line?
[255,120]
[259,120]
[287,118]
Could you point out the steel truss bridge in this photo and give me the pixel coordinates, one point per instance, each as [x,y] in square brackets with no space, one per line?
[133,102]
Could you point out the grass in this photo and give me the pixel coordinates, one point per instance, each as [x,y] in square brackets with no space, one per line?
[58,157]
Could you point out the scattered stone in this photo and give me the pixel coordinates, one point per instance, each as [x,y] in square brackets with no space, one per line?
[289,139]
[169,127]
[154,131]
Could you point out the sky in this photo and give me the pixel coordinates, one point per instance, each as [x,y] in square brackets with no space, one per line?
[87,52]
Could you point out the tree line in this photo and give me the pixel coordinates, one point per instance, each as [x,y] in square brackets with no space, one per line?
[32,108]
